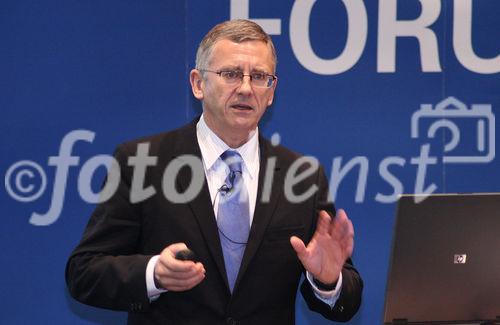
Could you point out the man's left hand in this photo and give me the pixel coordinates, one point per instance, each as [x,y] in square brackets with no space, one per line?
[331,245]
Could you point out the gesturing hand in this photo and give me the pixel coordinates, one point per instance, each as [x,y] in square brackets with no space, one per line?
[331,245]
[176,275]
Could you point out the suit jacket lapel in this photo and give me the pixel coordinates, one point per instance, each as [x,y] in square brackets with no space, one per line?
[267,200]
[201,205]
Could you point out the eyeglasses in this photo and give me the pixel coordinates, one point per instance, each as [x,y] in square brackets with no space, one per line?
[235,77]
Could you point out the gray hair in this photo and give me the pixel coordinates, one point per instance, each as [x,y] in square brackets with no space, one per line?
[238,31]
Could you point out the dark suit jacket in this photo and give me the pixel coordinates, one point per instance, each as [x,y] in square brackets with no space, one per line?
[107,268]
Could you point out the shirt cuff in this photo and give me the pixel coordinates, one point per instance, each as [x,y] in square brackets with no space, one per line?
[328,297]
[153,291]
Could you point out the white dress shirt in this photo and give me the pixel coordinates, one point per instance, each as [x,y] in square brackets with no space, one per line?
[216,171]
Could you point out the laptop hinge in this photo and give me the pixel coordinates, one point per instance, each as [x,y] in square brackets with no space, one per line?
[400,321]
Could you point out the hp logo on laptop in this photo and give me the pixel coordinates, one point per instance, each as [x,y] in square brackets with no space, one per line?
[460,258]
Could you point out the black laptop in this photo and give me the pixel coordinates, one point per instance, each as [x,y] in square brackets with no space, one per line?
[445,264]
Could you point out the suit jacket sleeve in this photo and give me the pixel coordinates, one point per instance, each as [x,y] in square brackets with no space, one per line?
[107,269]
[349,300]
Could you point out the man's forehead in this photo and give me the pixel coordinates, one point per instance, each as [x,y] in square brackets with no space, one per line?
[228,46]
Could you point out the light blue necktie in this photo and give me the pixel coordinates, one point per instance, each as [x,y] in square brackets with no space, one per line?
[233,218]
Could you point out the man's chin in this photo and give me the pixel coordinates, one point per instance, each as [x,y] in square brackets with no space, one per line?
[243,125]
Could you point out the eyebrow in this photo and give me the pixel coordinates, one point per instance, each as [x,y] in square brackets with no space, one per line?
[236,68]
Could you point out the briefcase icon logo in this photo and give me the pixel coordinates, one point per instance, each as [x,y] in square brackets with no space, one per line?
[470,130]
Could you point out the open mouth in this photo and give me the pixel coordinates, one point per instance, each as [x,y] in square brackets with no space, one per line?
[242,107]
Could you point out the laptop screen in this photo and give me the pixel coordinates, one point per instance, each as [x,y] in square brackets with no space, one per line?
[445,263]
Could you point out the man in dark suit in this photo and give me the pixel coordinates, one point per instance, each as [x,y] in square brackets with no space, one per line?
[174,194]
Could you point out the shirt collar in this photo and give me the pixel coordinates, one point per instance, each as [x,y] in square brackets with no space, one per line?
[212,147]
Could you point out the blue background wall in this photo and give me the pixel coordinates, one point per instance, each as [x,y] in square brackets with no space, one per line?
[119,69]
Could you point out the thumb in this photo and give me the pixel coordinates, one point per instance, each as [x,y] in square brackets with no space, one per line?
[177,247]
[298,246]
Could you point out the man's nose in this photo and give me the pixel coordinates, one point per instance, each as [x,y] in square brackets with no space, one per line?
[246,85]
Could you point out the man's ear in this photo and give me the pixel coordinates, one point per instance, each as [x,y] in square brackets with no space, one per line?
[196,80]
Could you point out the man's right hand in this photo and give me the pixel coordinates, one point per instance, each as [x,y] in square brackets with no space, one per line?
[176,275]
